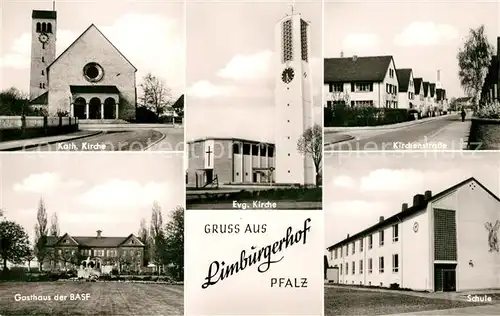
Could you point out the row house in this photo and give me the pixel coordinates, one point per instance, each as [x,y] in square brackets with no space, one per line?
[491,87]
[406,95]
[419,94]
[432,94]
[427,245]
[441,100]
[361,81]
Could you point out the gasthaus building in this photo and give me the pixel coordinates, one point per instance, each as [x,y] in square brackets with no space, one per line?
[442,242]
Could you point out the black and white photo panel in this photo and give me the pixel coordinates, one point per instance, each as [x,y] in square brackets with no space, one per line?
[92,234]
[103,75]
[400,75]
[254,263]
[413,232]
[254,132]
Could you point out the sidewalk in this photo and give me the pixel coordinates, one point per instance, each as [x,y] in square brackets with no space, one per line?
[454,136]
[34,142]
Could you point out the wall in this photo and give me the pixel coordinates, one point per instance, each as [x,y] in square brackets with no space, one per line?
[68,70]
[13,128]
[195,161]
[474,208]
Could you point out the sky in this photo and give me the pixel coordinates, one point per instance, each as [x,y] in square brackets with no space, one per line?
[230,82]
[149,33]
[90,192]
[421,35]
[365,186]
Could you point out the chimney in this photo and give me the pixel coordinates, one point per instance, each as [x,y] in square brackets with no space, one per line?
[341,54]
[428,195]
[99,233]
[381,219]
[354,57]
[418,199]
[404,207]
[347,236]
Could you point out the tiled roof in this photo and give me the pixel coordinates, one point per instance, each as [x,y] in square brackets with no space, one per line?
[42,14]
[92,241]
[426,89]
[351,69]
[398,217]
[432,88]
[403,79]
[41,99]
[440,94]
[179,103]
[94,89]
[417,82]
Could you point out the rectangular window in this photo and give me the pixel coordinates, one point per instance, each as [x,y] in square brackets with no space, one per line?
[381,264]
[341,269]
[346,268]
[353,267]
[255,150]
[287,41]
[43,59]
[236,148]
[335,253]
[341,252]
[395,263]
[353,248]
[43,73]
[361,245]
[395,233]
[338,87]
[360,266]
[347,250]
[363,87]
[263,150]
[381,238]
[370,242]
[246,149]
[303,40]
[445,235]
[270,152]
[370,265]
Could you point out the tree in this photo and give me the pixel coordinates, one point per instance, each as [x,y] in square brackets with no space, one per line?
[14,102]
[157,236]
[453,104]
[156,96]
[29,256]
[66,256]
[473,62]
[54,226]
[143,235]
[41,234]
[174,242]
[310,144]
[14,243]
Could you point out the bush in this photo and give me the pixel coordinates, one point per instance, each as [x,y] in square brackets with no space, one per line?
[394,286]
[489,111]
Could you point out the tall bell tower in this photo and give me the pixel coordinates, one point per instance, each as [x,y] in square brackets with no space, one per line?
[43,49]
[293,99]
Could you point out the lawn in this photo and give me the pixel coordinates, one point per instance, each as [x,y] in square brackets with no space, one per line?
[106,298]
[339,301]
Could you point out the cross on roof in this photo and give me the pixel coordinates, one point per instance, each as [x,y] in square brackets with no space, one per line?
[208,152]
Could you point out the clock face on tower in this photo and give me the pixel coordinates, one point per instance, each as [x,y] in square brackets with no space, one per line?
[287,75]
[43,38]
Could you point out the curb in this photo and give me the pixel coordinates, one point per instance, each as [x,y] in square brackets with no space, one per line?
[153,144]
[383,127]
[17,148]
[339,141]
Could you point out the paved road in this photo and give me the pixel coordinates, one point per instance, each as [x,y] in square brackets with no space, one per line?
[446,132]
[473,310]
[137,140]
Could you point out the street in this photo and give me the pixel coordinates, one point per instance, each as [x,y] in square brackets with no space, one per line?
[444,133]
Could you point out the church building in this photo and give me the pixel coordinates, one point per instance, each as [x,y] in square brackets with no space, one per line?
[441,242]
[244,161]
[91,79]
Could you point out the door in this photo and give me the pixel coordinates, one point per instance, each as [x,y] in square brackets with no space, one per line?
[254,179]
[449,280]
[209,174]
[445,278]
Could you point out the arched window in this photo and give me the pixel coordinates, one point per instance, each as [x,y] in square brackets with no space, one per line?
[49,27]
[44,27]
[43,73]
[38,27]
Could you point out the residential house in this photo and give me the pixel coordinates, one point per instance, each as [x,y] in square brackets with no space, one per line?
[406,95]
[427,99]
[432,95]
[491,86]
[438,243]
[419,94]
[361,81]
[463,103]
[441,101]
[123,253]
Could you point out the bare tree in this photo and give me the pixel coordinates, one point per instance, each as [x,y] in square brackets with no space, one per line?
[473,61]
[41,234]
[311,144]
[54,225]
[156,96]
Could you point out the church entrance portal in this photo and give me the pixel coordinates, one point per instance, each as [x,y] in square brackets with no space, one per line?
[79,107]
[94,109]
[109,109]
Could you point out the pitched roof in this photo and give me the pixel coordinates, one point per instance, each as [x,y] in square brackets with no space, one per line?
[417,82]
[373,68]
[409,212]
[94,89]
[403,79]
[41,99]
[426,88]
[75,41]
[463,99]
[440,94]
[43,14]
[93,241]
[432,88]
[179,103]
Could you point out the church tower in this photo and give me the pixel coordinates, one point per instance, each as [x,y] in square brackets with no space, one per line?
[43,49]
[293,99]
